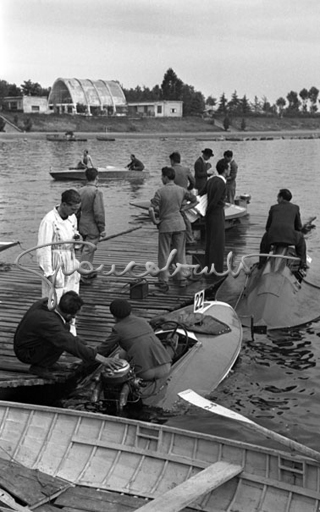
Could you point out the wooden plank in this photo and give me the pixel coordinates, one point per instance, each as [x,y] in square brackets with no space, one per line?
[92,500]
[195,487]
[28,485]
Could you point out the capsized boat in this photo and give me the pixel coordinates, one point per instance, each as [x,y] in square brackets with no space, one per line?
[110,172]
[93,461]
[203,346]
[275,296]
[7,245]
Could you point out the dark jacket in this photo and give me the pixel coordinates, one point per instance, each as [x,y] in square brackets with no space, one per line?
[215,188]
[40,327]
[135,335]
[284,223]
[201,168]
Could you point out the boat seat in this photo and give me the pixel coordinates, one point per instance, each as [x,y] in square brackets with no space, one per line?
[193,488]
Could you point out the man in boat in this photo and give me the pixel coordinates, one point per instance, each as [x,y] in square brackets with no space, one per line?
[168,202]
[135,164]
[86,160]
[215,189]
[91,217]
[202,168]
[231,176]
[43,335]
[60,225]
[184,178]
[140,346]
[284,228]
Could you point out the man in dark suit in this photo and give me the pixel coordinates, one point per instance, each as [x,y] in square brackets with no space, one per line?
[215,188]
[201,169]
[284,227]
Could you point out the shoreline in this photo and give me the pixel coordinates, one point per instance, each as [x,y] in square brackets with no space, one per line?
[201,136]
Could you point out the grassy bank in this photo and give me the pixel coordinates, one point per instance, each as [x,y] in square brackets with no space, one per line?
[63,123]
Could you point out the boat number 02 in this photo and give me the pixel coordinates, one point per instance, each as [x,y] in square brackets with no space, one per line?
[198,301]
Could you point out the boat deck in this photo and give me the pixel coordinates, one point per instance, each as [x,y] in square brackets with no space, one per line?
[19,289]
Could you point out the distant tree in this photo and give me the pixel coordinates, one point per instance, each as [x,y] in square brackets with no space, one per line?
[244,105]
[31,88]
[256,105]
[171,86]
[211,101]
[304,95]
[226,123]
[156,93]
[280,103]
[234,103]
[223,102]
[266,105]
[313,97]
[294,102]
[243,124]
[193,101]
[2,124]
[14,90]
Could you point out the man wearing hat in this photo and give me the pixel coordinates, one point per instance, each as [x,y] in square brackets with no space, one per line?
[201,168]
[140,346]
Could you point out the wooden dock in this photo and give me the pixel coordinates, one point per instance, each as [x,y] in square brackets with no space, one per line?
[19,289]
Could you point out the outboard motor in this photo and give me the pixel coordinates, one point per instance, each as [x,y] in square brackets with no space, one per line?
[117,386]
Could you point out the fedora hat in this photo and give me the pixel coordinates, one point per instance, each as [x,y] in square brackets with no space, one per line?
[207,151]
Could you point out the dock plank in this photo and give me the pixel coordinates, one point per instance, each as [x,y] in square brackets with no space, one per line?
[19,289]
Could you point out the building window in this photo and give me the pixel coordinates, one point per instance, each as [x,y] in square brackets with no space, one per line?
[35,108]
[159,109]
[173,110]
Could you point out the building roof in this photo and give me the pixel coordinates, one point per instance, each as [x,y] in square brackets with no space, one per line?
[92,93]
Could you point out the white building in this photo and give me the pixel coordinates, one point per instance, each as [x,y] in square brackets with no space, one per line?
[156,108]
[74,95]
[26,104]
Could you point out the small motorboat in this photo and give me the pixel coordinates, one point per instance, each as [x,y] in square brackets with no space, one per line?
[204,346]
[105,138]
[110,172]
[7,245]
[274,295]
[62,459]
[65,138]
[233,212]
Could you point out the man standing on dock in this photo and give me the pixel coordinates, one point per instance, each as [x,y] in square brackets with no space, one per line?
[184,178]
[167,203]
[202,168]
[91,219]
[57,227]
[215,218]
[231,176]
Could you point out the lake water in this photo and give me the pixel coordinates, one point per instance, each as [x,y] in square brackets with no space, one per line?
[276,381]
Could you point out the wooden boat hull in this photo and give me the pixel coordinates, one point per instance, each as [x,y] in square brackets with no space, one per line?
[144,460]
[209,360]
[7,245]
[110,172]
[272,297]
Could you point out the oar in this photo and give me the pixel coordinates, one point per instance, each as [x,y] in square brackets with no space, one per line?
[121,233]
[193,398]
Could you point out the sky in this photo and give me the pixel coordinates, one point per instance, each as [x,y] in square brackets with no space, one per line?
[263,48]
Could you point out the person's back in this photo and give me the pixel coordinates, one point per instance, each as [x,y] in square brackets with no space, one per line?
[283,223]
[171,197]
[92,211]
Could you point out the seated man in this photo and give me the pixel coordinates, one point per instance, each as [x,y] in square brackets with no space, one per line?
[43,335]
[135,164]
[140,346]
[284,227]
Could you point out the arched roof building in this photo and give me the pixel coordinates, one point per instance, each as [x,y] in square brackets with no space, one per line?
[74,95]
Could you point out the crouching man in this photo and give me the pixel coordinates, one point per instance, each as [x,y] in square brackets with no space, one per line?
[43,335]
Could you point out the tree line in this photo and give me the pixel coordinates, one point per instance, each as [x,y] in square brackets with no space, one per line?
[194,102]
